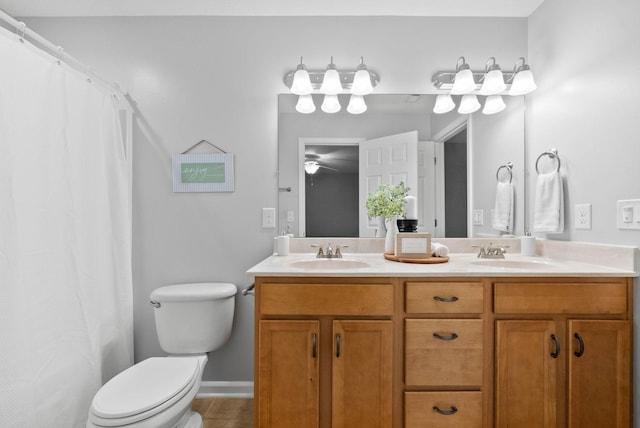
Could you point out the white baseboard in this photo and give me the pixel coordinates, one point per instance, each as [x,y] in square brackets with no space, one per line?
[225,389]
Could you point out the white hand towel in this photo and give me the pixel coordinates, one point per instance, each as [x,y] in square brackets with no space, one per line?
[439,250]
[548,213]
[503,209]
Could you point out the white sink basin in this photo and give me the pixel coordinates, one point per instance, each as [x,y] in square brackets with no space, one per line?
[514,264]
[329,264]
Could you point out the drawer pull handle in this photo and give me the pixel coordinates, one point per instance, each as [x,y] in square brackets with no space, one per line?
[556,353]
[451,336]
[314,345]
[453,410]
[445,299]
[581,344]
[337,345]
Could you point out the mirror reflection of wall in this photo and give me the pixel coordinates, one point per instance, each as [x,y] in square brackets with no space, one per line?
[389,114]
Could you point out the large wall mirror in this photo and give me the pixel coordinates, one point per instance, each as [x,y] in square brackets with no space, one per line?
[455,160]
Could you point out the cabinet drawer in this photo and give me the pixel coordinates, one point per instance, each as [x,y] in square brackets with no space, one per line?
[560,298]
[444,297]
[326,299]
[443,409]
[443,352]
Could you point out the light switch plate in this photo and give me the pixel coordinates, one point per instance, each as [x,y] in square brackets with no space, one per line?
[582,217]
[478,217]
[628,214]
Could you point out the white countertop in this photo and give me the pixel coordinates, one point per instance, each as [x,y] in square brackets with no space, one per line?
[459,264]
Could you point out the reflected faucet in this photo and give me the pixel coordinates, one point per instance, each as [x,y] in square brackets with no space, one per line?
[491,252]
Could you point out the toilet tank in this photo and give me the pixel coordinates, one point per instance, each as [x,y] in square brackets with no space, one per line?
[193,318]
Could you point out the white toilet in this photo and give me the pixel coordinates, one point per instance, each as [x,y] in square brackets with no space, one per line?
[191,320]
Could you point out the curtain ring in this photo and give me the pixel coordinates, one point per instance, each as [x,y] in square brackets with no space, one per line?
[21,29]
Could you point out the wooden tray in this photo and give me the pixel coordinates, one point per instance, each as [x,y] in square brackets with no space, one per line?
[427,260]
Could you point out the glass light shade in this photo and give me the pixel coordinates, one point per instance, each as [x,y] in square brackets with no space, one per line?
[301,82]
[444,104]
[305,104]
[311,167]
[493,83]
[331,82]
[361,83]
[468,104]
[463,83]
[523,83]
[330,104]
[493,104]
[356,104]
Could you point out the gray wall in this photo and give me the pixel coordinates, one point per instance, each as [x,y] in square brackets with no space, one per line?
[587,65]
[218,78]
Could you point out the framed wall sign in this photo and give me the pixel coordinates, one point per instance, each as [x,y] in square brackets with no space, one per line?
[203,172]
[413,245]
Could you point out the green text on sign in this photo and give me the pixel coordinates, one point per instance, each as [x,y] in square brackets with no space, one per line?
[202,172]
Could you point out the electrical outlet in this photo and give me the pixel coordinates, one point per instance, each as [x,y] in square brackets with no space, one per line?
[582,216]
[290,216]
[269,218]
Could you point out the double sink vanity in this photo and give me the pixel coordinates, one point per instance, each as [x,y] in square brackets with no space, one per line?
[361,341]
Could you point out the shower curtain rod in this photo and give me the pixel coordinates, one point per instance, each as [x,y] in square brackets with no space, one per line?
[61,55]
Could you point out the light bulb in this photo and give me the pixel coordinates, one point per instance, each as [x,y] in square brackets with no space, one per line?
[305,104]
[468,104]
[493,83]
[330,104]
[311,167]
[301,84]
[361,80]
[463,82]
[493,104]
[523,83]
[356,104]
[444,104]
[331,82]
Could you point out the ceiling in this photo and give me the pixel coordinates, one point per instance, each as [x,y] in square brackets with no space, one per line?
[75,8]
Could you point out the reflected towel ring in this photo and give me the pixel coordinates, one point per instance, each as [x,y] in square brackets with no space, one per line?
[509,168]
[553,154]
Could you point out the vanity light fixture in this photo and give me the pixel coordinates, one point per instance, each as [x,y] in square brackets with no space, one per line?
[301,84]
[493,81]
[331,82]
[523,82]
[463,82]
[361,80]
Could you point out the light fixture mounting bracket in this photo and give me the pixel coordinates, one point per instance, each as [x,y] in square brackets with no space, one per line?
[346,79]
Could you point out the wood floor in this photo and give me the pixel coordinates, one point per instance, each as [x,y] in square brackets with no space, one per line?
[222,412]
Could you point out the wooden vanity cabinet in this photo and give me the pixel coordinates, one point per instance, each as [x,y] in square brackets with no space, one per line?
[444,354]
[563,354]
[324,353]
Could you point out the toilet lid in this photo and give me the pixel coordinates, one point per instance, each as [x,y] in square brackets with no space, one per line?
[144,386]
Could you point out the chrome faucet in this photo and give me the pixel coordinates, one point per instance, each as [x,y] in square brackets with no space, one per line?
[491,252]
[329,253]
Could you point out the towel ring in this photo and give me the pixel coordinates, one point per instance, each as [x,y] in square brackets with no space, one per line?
[509,168]
[553,154]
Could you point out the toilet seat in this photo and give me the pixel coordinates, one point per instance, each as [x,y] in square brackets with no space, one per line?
[144,390]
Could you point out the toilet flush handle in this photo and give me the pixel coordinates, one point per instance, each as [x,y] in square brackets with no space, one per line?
[155,304]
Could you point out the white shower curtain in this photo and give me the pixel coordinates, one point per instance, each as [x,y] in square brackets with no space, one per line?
[66,322]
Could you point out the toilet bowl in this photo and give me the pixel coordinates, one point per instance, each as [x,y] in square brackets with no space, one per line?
[191,320]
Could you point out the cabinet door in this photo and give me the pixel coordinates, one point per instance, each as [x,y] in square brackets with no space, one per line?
[526,376]
[362,374]
[288,374]
[599,374]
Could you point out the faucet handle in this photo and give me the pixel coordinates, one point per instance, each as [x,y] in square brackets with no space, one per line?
[338,252]
[320,250]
